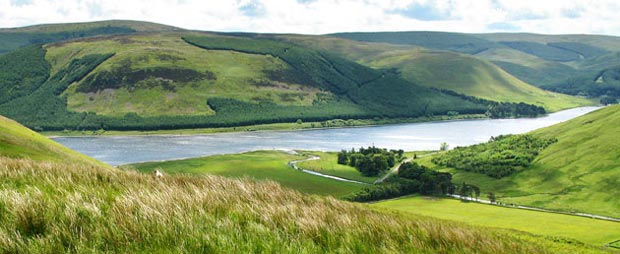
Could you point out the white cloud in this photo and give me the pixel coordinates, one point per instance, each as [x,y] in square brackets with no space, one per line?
[328,16]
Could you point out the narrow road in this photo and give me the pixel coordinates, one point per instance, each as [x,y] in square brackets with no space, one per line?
[293,164]
[394,169]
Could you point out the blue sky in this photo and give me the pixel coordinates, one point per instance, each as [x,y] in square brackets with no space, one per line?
[329,16]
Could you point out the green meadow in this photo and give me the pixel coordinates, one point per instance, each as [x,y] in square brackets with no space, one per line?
[586,230]
[578,173]
[327,164]
[260,165]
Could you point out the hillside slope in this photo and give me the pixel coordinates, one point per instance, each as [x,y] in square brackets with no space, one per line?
[540,60]
[13,38]
[578,173]
[461,73]
[173,80]
[59,206]
[17,141]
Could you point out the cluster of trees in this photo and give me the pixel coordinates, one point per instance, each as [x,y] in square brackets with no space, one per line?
[370,161]
[510,109]
[468,190]
[501,156]
[22,72]
[606,100]
[604,84]
[501,109]
[411,178]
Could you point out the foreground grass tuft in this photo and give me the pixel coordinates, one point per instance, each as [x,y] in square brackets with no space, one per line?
[59,208]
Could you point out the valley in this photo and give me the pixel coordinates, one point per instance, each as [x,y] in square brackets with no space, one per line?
[125,136]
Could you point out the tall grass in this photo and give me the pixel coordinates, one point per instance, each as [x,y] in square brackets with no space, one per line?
[60,208]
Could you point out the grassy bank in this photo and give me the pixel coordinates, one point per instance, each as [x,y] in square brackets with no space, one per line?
[596,232]
[261,165]
[327,164]
[578,173]
[61,208]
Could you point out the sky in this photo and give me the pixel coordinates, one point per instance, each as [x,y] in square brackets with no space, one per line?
[330,16]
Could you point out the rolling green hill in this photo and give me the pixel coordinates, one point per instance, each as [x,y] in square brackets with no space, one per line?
[13,38]
[59,205]
[457,42]
[461,73]
[540,60]
[173,80]
[17,141]
[127,75]
[578,173]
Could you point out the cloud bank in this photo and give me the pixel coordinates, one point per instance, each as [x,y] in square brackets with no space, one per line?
[329,16]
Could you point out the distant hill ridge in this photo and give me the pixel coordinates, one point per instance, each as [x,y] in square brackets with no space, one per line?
[127,75]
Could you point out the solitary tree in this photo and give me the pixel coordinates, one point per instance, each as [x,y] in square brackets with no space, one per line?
[491,197]
[444,146]
[476,191]
[343,157]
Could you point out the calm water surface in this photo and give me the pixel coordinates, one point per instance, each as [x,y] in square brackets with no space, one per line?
[416,136]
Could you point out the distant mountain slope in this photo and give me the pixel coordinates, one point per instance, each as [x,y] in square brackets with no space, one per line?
[578,173]
[541,60]
[171,80]
[17,141]
[13,38]
[443,70]
[457,42]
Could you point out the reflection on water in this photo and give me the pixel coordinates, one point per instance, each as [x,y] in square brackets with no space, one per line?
[416,136]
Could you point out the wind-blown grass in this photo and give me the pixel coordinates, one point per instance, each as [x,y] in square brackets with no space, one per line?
[64,208]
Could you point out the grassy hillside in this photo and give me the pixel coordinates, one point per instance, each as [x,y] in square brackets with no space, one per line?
[13,38]
[263,165]
[59,208]
[328,164]
[578,173]
[174,80]
[188,76]
[457,42]
[605,42]
[17,141]
[541,60]
[474,77]
[53,202]
[586,230]
[445,70]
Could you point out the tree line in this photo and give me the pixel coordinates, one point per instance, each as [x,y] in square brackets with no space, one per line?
[412,178]
[499,157]
[370,161]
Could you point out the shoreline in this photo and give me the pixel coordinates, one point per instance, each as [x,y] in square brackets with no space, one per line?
[293,126]
[336,124]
